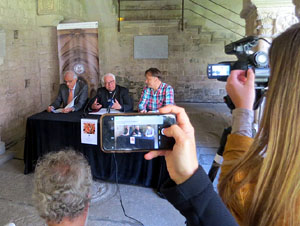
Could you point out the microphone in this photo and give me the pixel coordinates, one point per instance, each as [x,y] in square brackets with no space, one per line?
[109,106]
[85,107]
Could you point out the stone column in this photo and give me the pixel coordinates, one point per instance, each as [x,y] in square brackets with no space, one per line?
[268,18]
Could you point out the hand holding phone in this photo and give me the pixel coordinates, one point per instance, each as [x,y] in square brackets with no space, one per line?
[132,132]
[182,160]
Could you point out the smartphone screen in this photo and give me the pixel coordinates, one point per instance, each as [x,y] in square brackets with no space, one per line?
[135,132]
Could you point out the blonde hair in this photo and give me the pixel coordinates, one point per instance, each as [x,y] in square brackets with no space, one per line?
[273,160]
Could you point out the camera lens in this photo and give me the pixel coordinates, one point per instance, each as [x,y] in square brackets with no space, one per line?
[260,59]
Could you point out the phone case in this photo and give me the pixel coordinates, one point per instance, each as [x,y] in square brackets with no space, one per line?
[131,138]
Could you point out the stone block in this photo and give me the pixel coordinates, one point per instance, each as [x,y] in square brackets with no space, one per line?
[149,31]
[6,157]
[129,30]
[3,3]
[176,48]
[169,30]
[205,39]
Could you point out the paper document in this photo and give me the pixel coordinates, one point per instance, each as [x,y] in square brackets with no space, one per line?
[104,111]
[89,128]
[59,110]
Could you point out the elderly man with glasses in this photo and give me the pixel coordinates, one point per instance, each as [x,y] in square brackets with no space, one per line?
[111,96]
[72,90]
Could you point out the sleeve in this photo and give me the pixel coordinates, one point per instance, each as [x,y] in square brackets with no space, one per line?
[242,120]
[235,148]
[59,99]
[144,99]
[82,98]
[197,201]
[127,102]
[93,100]
[169,97]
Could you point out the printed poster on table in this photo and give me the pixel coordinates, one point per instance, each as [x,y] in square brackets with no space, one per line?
[89,131]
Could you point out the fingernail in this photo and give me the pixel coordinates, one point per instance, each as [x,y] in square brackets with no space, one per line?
[162,131]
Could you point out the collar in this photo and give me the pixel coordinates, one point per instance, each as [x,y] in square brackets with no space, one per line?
[74,87]
[159,88]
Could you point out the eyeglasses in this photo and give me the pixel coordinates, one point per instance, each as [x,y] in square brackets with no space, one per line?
[68,82]
[109,83]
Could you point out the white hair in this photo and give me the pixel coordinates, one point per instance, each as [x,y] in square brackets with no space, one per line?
[74,74]
[106,75]
[62,183]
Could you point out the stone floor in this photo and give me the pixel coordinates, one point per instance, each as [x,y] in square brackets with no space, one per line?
[140,203]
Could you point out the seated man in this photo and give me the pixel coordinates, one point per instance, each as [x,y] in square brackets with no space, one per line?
[62,184]
[72,88]
[127,131]
[149,131]
[136,132]
[112,95]
[155,94]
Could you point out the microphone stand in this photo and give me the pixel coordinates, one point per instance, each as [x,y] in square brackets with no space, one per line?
[108,109]
[258,103]
[85,107]
[110,105]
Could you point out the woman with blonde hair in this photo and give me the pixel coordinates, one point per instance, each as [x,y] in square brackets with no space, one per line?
[260,177]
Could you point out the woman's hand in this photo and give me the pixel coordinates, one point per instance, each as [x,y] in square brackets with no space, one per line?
[182,160]
[240,88]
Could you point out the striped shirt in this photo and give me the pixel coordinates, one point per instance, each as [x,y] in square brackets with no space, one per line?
[153,100]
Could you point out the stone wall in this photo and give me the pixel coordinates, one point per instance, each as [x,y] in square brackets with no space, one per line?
[29,77]
[185,68]
[189,53]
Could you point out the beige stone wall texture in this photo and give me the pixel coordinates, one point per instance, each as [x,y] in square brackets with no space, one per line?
[29,78]
[185,68]
[202,42]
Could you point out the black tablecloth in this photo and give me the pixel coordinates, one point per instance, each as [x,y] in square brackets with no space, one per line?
[47,132]
[140,142]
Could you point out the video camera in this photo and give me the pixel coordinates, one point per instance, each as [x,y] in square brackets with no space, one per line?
[258,61]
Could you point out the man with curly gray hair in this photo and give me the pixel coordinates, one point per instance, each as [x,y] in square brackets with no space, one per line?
[62,183]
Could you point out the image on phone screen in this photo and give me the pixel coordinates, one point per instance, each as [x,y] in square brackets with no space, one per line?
[136,132]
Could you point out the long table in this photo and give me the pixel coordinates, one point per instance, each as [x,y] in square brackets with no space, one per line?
[46,132]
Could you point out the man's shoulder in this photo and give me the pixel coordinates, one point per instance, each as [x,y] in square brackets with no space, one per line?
[101,89]
[81,84]
[167,86]
[122,88]
[63,86]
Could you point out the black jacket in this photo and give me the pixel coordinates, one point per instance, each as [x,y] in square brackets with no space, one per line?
[122,95]
[197,201]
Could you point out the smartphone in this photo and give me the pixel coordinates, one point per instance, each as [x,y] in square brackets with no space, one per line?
[135,132]
[216,71]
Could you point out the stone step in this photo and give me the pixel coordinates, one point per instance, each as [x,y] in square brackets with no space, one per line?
[150,10]
[146,22]
[6,156]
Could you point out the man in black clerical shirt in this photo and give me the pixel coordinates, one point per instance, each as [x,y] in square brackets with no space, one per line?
[112,96]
